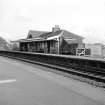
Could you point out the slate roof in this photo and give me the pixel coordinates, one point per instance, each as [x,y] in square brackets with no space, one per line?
[45,35]
[35,33]
[67,34]
[50,34]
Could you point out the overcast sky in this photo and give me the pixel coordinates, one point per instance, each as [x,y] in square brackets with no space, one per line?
[83,17]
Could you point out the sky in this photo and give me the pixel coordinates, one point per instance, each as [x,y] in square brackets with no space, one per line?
[82,17]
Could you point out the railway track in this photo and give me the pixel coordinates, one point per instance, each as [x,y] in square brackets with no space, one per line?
[92,75]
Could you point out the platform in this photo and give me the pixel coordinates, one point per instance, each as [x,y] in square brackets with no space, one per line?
[25,84]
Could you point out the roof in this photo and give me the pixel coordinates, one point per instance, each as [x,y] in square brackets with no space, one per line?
[30,40]
[35,33]
[67,34]
[33,39]
[50,34]
[45,35]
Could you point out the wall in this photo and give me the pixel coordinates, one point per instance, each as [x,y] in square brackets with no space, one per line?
[96,50]
[103,51]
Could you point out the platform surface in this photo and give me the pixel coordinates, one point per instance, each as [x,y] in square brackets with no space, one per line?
[25,84]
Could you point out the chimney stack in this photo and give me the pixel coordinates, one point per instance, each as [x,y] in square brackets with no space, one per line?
[56,28]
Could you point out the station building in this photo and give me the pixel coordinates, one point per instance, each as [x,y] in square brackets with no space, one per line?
[55,42]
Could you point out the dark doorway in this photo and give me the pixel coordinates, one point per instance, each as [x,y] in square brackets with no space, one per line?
[48,46]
